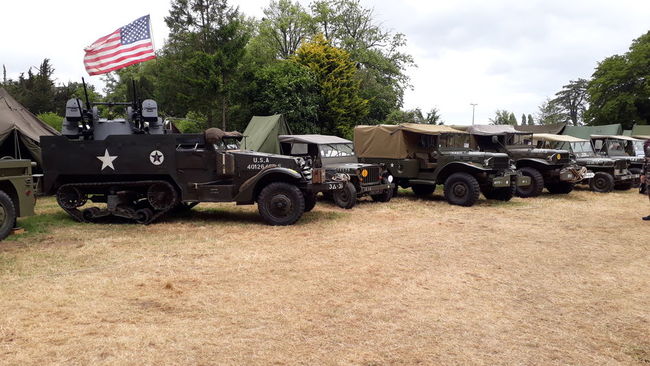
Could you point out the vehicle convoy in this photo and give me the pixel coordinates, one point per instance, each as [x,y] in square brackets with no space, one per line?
[140,172]
[338,153]
[17,193]
[547,168]
[421,156]
[608,173]
[620,147]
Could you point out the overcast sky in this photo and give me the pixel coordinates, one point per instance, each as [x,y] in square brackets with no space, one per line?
[499,54]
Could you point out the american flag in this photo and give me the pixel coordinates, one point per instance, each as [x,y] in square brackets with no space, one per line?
[126,46]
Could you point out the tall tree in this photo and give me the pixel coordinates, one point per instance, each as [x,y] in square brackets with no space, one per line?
[503,117]
[341,107]
[285,25]
[531,121]
[572,100]
[619,91]
[550,113]
[205,47]
[523,119]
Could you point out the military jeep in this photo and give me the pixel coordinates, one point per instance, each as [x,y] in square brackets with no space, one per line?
[422,156]
[607,173]
[17,193]
[336,153]
[620,147]
[547,168]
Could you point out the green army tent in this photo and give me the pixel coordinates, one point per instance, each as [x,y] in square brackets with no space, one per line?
[641,132]
[554,128]
[20,130]
[262,133]
[584,132]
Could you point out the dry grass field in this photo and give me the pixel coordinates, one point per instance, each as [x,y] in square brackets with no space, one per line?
[557,280]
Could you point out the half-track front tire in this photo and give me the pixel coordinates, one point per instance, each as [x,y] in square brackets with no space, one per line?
[602,182]
[347,197]
[310,201]
[462,189]
[560,187]
[536,183]
[281,204]
[423,190]
[7,215]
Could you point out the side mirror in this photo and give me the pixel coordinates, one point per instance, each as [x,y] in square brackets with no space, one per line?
[495,139]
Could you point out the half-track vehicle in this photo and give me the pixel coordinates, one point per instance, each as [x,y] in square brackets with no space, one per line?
[17,192]
[422,156]
[607,173]
[338,154]
[139,171]
[552,169]
[620,147]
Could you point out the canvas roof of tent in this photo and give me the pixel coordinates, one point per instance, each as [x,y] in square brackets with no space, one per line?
[492,130]
[394,141]
[555,128]
[627,132]
[641,132]
[262,133]
[15,117]
[556,138]
[314,139]
[585,132]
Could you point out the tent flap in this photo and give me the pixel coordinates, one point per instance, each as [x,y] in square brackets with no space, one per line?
[262,133]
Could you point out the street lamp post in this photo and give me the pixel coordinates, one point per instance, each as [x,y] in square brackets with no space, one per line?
[473,108]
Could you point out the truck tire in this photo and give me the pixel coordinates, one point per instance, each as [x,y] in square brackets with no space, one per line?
[501,194]
[423,190]
[623,186]
[7,215]
[462,189]
[536,183]
[560,187]
[637,182]
[384,196]
[602,182]
[310,201]
[347,197]
[281,204]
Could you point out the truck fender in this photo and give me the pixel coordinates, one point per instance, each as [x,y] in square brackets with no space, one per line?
[531,162]
[250,188]
[451,168]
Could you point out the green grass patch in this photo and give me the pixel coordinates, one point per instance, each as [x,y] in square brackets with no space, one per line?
[42,223]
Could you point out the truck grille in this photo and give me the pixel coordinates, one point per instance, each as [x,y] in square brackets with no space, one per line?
[374,175]
[500,163]
[620,164]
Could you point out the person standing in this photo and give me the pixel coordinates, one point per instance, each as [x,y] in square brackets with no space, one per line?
[645,178]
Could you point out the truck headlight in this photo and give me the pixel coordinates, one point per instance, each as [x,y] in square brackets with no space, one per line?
[390,178]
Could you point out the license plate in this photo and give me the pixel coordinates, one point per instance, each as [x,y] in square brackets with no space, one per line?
[589,175]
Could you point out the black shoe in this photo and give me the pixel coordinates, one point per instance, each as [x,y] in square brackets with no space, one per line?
[646,218]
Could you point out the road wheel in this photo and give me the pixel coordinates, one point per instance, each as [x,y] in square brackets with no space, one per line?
[384,196]
[7,215]
[602,182]
[310,201]
[423,190]
[462,189]
[347,197]
[281,203]
[560,187]
[143,216]
[536,183]
[500,194]
[637,182]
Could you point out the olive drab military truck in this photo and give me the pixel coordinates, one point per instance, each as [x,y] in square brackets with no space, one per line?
[338,153]
[607,172]
[620,147]
[421,156]
[139,171]
[17,193]
[547,168]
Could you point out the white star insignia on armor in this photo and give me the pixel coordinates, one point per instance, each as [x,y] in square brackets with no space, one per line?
[107,160]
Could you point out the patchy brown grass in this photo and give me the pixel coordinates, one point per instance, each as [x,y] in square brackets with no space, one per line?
[554,280]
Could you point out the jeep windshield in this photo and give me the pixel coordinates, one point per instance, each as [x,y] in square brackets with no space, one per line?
[519,140]
[453,141]
[336,150]
[638,148]
[616,147]
[582,149]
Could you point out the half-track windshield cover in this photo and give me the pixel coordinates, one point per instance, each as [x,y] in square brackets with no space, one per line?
[395,141]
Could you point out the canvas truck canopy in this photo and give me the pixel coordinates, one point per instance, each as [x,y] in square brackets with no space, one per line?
[262,133]
[641,132]
[585,132]
[314,139]
[556,138]
[492,130]
[394,141]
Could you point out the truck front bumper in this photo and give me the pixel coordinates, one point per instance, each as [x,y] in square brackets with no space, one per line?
[575,174]
[376,188]
[507,179]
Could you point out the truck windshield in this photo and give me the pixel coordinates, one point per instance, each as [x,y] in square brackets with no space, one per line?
[519,139]
[582,149]
[336,150]
[453,140]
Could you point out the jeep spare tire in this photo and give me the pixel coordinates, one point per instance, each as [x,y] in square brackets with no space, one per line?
[347,197]
[281,204]
[462,189]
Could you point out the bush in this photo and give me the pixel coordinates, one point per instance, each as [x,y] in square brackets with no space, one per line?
[52,119]
[193,123]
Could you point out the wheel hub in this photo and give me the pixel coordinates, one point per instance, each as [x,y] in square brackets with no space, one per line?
[280,205]
[459,190]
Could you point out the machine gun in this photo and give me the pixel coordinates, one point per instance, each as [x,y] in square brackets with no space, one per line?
[85,123]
